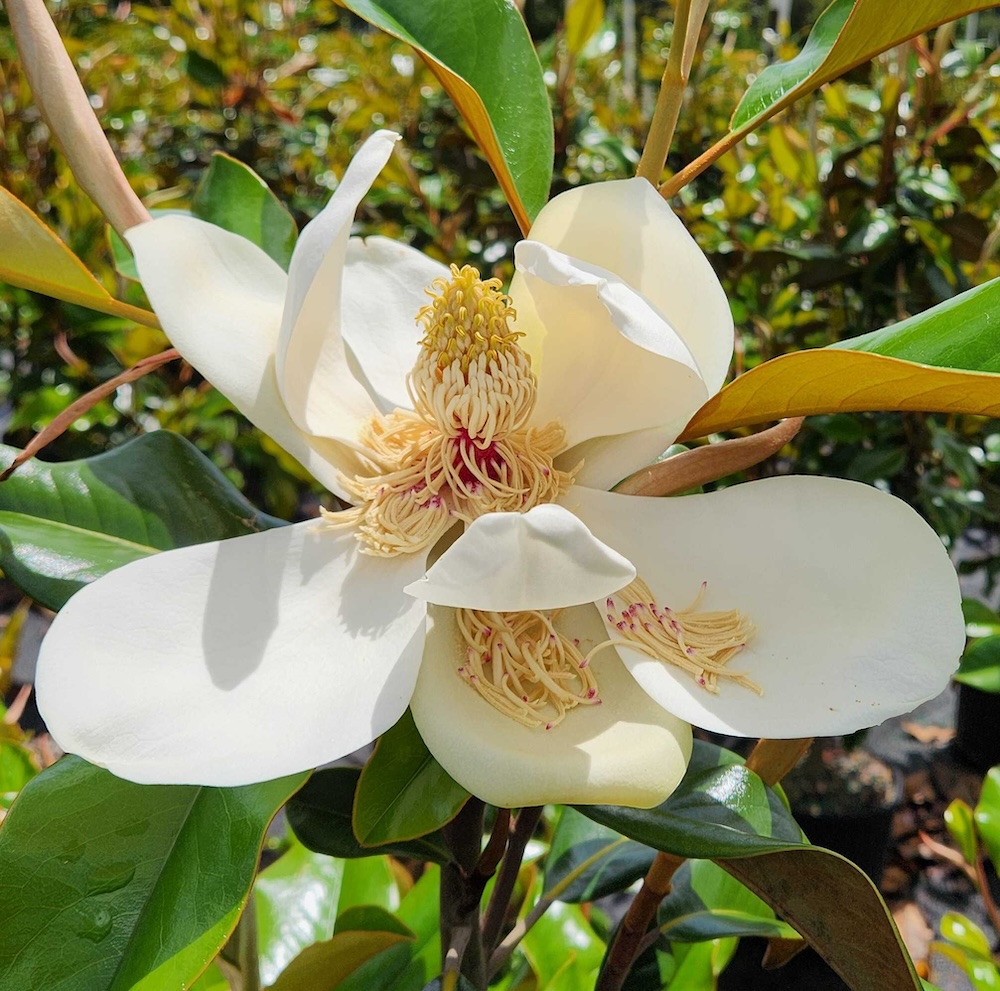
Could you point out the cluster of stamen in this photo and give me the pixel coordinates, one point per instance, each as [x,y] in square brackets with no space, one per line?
[465,449]
[524,667]
[700,643]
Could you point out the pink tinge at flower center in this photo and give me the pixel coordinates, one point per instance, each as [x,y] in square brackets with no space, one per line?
[466,448]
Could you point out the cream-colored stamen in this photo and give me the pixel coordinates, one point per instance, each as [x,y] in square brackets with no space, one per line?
[701,643]
[466,448]
[524,667]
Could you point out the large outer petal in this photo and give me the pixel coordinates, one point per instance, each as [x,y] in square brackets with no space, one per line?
[315,375]
[219,299]
[626,227]
[627,751]
[855,600]
[236,661]
[385,286]
[506,562]
[606,361]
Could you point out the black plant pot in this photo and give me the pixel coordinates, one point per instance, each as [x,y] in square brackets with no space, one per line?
[977,727]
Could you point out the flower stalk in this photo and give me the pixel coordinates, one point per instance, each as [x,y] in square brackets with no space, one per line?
[64,106]
[689,15]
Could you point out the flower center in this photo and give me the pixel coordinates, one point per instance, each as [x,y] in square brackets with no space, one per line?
[701,643]
[524,667]
[466,448]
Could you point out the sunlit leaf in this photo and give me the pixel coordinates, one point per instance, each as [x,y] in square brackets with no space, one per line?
[988,814]
[91,871]
[482,55]
[961,823]
[940,360]
[846,34]
[231,195]
[966,934]
[32,257]
[582,21]
[404,793]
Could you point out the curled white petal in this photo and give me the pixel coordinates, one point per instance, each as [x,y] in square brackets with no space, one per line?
[606,361]
[856,604]
[506,562]
[317,382]
[626,227]
[626,751]
[236,661]
[219,299]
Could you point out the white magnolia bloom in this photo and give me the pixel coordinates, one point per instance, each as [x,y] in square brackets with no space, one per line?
[822,606]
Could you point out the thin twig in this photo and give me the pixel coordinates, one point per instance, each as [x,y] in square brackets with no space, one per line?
[64,420]
[496,910]
[487,865]
[632,931]
[689,16]
[713,461]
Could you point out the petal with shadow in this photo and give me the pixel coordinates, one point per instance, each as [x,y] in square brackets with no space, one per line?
[626,751]
[855,601]
[236,661]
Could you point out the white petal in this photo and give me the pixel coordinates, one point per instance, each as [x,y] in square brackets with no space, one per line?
[384,288]
[314,370]
[219,298]
[607,460]
[627,751]
[625,226]
[233,662]
[506,562]
[606,362]
[855,601]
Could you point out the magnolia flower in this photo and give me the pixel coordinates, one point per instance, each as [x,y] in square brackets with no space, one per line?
[475,435]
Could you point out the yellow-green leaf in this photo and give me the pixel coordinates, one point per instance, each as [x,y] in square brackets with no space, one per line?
[822,381]
[322,966]
[32,257]
[583,19]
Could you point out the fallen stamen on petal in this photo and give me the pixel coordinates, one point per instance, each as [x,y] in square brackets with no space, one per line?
[524,667]
[700,643]
[465,449]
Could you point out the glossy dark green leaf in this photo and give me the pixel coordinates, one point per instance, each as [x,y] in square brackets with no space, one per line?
[706,902]
[123,882]
[834,906]
[720,809]
[204,71]
[592,860]
[403,793]
[231,195]
[987,814]
[980,620]
[980,665]
[320,816]
[482,55]
[63,525]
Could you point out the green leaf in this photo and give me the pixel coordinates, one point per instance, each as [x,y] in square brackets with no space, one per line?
[482,55]
[961,823]
[987,814]
[706,902]
[720,809]
[403,793]
[320,816]
[966,934]
[941,360]
[980,620]
[232,196]
[63,525]
[326,965]
[592,860]
[134,886]
[563,950]
[834,906]
[980,665]
[17,768]
[846,34]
